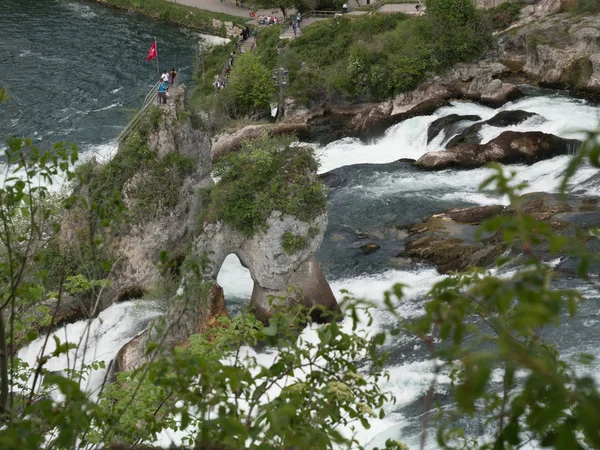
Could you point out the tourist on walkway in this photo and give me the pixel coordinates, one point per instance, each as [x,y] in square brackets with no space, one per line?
[294,26]
[173,76]
[165,77]
[162,93]
[298,18]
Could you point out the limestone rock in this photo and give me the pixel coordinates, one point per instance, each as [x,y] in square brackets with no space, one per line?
[139,248]
[449,240]
[503,119]
[557,50]
[271,268]
[448,124]
[509,147]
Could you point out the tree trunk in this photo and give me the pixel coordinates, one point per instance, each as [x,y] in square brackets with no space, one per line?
[3,369]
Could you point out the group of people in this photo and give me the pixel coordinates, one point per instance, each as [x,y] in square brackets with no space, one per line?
[245,34]
[166,80]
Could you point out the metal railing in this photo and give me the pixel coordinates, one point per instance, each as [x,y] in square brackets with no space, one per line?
[148,100]
[321,14]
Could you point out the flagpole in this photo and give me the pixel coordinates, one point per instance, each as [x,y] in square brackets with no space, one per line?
[156,48]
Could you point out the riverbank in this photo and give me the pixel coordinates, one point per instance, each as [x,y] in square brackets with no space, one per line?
[216,23]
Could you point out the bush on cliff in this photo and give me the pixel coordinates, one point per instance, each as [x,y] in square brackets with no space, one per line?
[267,174]
[250,85]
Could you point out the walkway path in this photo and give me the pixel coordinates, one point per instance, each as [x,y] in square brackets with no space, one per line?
[226,7]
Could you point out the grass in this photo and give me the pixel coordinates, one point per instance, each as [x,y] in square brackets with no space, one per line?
[268,174]
[184,15]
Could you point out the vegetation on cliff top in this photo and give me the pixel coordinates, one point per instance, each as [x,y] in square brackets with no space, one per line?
[369,57]
[266,174]
[184,15]
[156,193]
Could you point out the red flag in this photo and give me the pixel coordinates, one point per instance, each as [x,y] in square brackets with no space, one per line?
[152,53]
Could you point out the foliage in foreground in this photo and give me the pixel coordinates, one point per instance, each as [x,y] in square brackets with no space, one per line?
[305,394]
[266,174]
[484,330]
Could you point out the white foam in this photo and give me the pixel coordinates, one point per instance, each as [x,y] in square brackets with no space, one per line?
[565,117]
[235,279]
[214,40]
[107,334]
[113,105]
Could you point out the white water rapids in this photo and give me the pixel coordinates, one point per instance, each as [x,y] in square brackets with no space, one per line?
[410,375]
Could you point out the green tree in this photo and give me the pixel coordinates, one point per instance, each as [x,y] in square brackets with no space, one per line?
[251,85]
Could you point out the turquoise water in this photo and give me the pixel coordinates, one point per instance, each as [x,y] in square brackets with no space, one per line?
[76,70]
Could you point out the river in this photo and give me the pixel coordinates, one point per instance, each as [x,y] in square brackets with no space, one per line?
[74,69]
[77,71]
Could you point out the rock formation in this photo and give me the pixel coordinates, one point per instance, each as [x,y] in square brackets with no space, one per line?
[449,240]
[471,135]
[510,147]
[556,50]
[448,125]
[272,269]
[140,248]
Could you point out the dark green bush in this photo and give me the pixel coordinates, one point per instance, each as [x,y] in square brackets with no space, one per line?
[502,16]
[250,84]
[267,174]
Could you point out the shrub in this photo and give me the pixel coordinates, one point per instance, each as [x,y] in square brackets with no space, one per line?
[293,243]
[250,84]
[502,16]
[267,174]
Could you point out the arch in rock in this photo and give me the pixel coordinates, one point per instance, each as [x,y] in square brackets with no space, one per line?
[272,269]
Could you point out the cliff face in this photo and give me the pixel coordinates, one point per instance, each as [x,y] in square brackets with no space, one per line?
[559,50]
[176,133]
[273,269]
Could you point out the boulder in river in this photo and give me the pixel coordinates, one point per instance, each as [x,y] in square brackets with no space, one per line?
[451,242]
[510,147]
[444,124]
[503,119]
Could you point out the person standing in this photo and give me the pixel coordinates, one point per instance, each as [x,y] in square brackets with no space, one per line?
[294,26]
[173,76]
[298,18]
[162,93]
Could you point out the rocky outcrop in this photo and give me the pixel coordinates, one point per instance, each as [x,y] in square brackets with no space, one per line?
[451,240]
[555,50]
[501,120]
[448,240]
[139,249]
[272,269]
[447,125]
[228,142]
[510,147]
